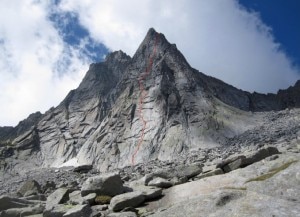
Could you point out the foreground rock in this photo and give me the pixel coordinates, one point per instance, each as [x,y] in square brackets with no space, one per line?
[108,184]
[131,199]
[10,202]
[167,177]
[149,192]
[19,207]
[59,196]
[77,199]
[265,188]
[160,182]
[123,214]
[26,211]
[29,188]
[78,211]
[239,161]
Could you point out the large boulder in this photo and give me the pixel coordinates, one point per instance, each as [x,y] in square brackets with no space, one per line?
[26,211]
[30,187]
[149,192]
[109,184]
[10,202]
[122,214]
[181,172]
[239,161]
[160,183]
[78,211]
[59,196]
[131,199]
[75,198]
[57,211]
[260,155]
[99,210]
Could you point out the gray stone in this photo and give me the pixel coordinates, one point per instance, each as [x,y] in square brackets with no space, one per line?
[29,188]
[214,172]
[238,159]
[160,183]
[40,197]
[239,162]
[122,214]
[78,211]
[36,215]
[209,168]
[83,168]
[90,198]
[57,210]
[235,162]
[7,202]
[99,210]
[260,155]
[59,196]
[107,184]
[264,188]
[26,211]
[188,171]
[100,207]
[178,180]
[49,186]
[178,174]
[149,192]
[75,198]
[131,199]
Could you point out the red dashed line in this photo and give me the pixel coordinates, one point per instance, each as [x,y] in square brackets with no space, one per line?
[143,94]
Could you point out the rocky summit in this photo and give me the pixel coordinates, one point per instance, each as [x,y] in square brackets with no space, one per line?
[149,135]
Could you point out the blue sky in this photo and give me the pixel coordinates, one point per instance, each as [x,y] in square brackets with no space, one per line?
[283,17]
[73,33]
[46,46]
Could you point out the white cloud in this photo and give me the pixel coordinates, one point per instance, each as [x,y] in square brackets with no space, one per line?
[218,37]
[37,69]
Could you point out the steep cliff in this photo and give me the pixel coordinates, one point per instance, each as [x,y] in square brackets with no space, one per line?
[155,95]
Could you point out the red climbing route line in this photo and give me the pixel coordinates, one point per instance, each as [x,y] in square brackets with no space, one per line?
[143,94]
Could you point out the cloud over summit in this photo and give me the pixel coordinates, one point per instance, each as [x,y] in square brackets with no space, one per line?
[219,38]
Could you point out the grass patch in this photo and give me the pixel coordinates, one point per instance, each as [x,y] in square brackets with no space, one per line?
[235,188]
[271,173]
[68,206]
[102,199]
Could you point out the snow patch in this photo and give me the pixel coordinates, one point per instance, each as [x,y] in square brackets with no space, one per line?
[70,163]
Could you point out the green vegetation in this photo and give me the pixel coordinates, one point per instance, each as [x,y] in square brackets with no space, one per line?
[67,115]
[102,199]
[68,206]
[271,173]
[235,188]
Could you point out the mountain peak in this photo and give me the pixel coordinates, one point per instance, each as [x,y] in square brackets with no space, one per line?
[153,39]
[116,56]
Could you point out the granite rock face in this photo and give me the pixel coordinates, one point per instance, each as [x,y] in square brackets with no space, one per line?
[99,123]
[108,184]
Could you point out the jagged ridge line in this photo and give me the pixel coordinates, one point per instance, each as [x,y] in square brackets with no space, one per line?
[143,95]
